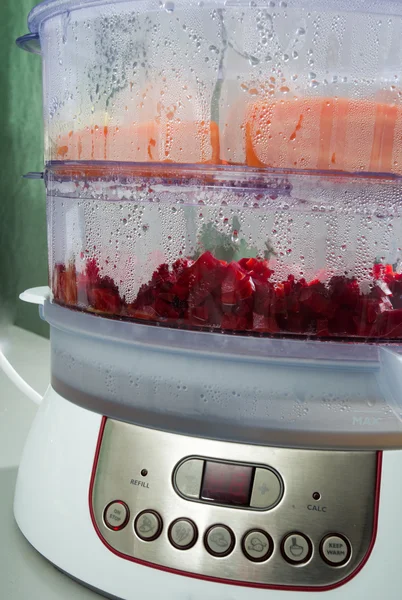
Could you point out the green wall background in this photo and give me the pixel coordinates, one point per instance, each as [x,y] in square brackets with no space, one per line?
[23,244]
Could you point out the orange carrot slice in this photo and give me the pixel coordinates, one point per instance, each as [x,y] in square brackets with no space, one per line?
[324,133]
[298,133]
[176,142]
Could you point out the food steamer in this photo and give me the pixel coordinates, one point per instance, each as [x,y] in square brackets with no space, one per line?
[225,304]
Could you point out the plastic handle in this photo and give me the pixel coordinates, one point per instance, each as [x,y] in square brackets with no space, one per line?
[36,295]
[18,381]
[29,42]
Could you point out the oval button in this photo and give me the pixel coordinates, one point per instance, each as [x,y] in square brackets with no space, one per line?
[148,525]
[257,545]
[219,540]
[297,548]
[188,478]
[267,489]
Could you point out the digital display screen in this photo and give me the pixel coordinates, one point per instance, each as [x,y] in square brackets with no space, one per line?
[227,484]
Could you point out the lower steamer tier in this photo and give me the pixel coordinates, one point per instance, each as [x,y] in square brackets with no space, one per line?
[240,297]
[124,498]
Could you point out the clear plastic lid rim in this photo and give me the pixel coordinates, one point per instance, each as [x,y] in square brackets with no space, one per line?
[50,8]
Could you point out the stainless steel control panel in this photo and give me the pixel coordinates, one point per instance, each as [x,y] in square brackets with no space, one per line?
[235,512]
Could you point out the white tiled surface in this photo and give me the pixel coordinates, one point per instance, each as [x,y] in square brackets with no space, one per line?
[24,574]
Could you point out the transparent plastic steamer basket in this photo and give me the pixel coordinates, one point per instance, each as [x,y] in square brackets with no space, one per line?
[203,380]
[191,75]
[246,94]
[235,169]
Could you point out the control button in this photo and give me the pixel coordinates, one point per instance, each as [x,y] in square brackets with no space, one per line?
[267,489]
[188,478]
[116,515]
[335,550]
[257,545]
[182,534]
[219,540]
[148,525]
[296,548]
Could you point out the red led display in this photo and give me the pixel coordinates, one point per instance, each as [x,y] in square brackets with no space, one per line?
[227,484]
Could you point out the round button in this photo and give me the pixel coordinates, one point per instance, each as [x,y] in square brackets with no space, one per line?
[257,545]
[335,550]
[296,548]
[219,540]
[116,515]
[148,525]
[182,534]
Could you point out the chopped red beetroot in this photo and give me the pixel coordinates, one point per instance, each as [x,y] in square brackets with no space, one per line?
[344,291]
[390,324]
[92,271]
[265,324]
[264,296]
[237,285]
[256,266]
[65,283]
[145,314]
[181,265]
[240,296]
[207,275]
[317,299]
[394,283]
[105,300]
[323,328]
[233,322]
[57,282]
[87,289]
[209,314]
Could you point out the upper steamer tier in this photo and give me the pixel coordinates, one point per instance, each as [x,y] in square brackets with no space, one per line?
[254,116]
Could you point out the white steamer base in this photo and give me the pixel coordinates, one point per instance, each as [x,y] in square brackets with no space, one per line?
[52,510]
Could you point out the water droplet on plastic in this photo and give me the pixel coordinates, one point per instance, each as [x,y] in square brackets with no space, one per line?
[254,61]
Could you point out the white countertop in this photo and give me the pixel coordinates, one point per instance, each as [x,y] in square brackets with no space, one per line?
[24,574]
